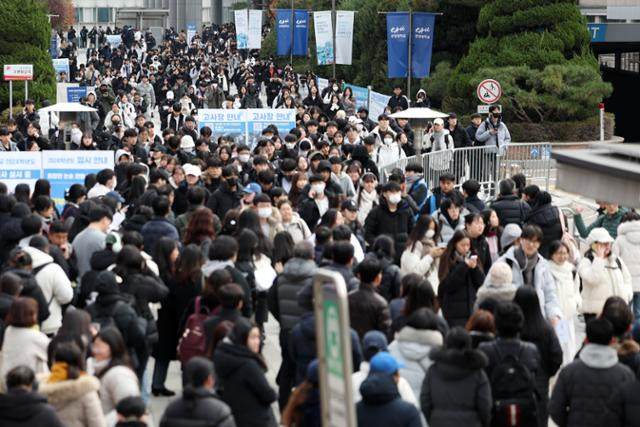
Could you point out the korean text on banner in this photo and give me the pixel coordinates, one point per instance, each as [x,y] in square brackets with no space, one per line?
[231,123]
[20,167]
[283,32]
[65,168]
[397,43]
[377,103]
[258,119]
[361,94]
[75,93]
[300,32]
[422,43]
[61,65]
[18,71]
[255,29]
[324,37]
[322,83]
[344,37]
[191,31]
[242,28]
[114,40]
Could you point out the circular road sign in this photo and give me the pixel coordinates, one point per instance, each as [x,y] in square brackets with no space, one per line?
[489,91]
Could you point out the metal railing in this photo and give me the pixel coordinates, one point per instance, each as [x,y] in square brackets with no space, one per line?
[483,164]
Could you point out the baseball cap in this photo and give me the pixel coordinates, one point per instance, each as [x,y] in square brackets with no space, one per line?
[252,187]
[438,122]
[190,169]
[349,205]
[374,339]
[116,196]
[384,362]
[453,116]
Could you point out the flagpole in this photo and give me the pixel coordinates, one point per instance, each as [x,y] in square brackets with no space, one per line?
[333,34]
[409,59]
[292,36]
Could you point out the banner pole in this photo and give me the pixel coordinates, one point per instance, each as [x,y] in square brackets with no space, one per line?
[292,36]
[409,59]
[11,99]
[26,90]
[333,35]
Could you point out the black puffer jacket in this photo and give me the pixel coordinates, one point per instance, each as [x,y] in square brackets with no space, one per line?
[31,289]
[283,296]
[202,408]
[528,351]
[223,200]
[22,408]
[244,386]
[623,408]
[547,217]
[580,396]
[145,289]
[456,390]
[368,311]
[396,225]
[510,210]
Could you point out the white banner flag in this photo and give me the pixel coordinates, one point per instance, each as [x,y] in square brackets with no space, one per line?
[255,29]
[324,37]
[344,37]
[242,29]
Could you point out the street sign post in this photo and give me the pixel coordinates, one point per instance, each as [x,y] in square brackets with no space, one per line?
[13,72]
[489,91]
[333,338]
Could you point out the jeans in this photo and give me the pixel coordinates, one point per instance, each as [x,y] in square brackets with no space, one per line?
[160,373]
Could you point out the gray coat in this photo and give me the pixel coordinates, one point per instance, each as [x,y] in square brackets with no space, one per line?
[584,386]
[500,140]
[456,390]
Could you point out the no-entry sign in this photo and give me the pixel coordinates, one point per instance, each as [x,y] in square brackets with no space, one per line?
[18,72]
[489,91]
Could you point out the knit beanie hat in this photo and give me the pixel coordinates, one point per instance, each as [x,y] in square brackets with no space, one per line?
[500,274]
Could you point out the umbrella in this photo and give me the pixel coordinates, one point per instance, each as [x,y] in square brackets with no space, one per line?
[67,107]
[419,113]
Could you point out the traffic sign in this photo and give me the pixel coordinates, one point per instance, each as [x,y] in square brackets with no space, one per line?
[489,91]
[484,109]
[18,72]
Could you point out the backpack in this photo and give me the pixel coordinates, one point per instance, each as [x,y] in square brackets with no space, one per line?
[193,340]
[105,317]
[420,203]
[514,392]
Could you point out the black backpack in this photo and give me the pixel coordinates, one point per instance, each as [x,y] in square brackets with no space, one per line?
[514,392]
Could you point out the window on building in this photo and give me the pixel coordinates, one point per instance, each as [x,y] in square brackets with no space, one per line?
[89,14]
[104,14]
[206,14]
[78,11]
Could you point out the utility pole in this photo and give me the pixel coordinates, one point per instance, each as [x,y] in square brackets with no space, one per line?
[333,34]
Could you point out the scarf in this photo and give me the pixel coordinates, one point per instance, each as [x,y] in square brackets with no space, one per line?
[527,265]
[59,372]
[366,201]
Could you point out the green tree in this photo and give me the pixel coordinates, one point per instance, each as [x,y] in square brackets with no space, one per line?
[25,33]
[539,51]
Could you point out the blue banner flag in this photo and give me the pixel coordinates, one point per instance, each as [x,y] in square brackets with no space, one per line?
[422,43]
[397,43]
[300,32]
[283,32]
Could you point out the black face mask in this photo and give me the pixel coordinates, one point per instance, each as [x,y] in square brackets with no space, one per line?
[232,182]
[496,115]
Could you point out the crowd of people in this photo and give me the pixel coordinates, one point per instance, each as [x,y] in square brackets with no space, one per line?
[462,310]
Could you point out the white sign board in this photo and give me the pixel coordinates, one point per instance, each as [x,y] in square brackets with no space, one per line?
[18,72]
[484,109]
[489,91]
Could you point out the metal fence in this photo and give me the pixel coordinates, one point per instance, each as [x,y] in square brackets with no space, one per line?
[482,164]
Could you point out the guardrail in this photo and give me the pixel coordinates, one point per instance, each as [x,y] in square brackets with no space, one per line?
[483,164]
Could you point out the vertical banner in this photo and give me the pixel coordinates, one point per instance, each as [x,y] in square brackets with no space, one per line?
[377,104]
[300,32]
[344,37]
[397,43]
[61,65]
[242,29]
[53,45]
[255,29]
[324,37]
[283,32]
[191,31]
[422,43]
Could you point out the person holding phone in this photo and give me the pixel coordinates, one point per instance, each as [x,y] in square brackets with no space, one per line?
[460,276]
[602,273]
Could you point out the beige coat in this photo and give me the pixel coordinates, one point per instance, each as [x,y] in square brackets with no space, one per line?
[76,401]
[116,384]
[23,346]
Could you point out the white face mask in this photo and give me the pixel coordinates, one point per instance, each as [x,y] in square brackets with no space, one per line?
[318,187]
[244,158]
[290,145]
[335,88]
[395,198]
[264,212]
[388,141]
[430,234]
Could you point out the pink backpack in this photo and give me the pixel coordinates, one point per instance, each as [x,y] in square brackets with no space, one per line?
[193,340]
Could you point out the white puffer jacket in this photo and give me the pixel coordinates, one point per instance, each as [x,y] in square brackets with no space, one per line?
[55,286]
[601,279]
[627,247]
[567,288]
